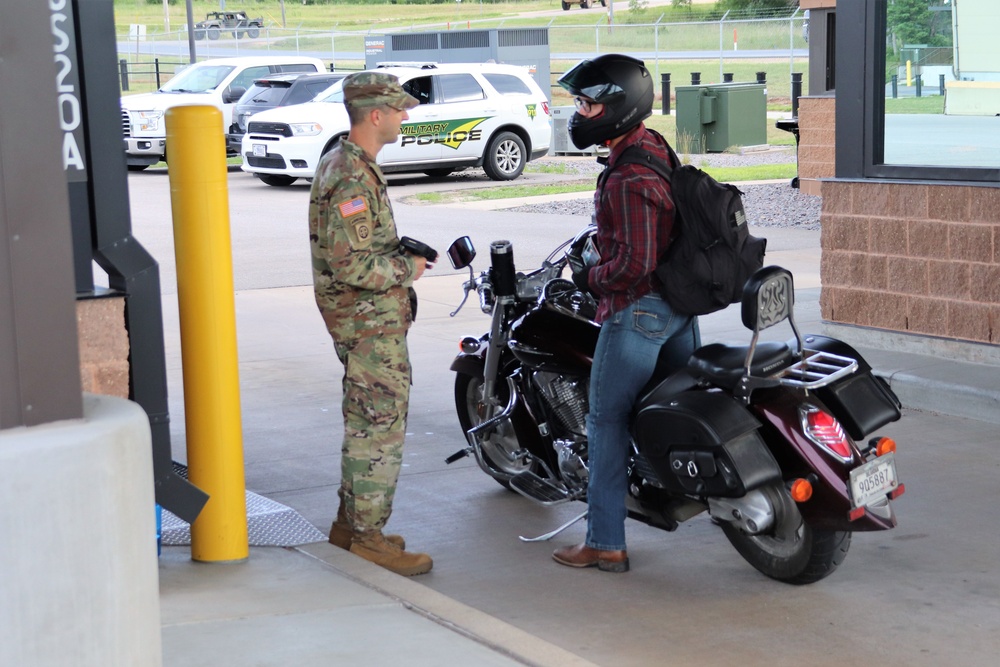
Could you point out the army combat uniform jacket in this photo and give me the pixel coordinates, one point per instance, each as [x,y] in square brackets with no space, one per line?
[360,279]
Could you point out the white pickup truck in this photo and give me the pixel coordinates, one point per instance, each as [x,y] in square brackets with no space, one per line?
[220,82]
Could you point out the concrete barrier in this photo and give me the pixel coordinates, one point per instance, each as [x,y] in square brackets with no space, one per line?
[78,566]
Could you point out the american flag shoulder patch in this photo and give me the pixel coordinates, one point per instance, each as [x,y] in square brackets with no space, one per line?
[352,206]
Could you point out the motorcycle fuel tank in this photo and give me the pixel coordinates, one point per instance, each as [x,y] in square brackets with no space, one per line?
[557,335]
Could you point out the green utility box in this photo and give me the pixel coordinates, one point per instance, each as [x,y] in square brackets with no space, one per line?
[713,118]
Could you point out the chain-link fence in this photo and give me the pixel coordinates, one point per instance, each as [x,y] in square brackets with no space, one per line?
[712,49]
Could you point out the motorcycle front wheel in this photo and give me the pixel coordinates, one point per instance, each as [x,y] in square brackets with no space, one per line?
[792,551]
[498,449]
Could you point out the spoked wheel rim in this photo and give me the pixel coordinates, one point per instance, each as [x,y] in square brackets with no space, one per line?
[508,156]
[503,442]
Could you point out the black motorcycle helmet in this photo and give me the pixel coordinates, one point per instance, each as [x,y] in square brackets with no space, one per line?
[622,84]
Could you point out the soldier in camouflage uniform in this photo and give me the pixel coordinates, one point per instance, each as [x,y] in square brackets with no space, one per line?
[362,285]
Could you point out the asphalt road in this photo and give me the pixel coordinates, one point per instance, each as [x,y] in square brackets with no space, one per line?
[924,594]
[268,224]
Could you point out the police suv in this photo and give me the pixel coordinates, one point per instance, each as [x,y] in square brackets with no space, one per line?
[219,82]
[470,115]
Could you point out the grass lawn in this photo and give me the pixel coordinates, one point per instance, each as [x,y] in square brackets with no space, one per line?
[725,174]
[915,105]
[345,24]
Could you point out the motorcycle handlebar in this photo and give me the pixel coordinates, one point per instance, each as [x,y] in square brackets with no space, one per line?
[502,259]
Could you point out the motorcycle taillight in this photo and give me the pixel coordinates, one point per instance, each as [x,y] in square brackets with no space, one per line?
[823,429]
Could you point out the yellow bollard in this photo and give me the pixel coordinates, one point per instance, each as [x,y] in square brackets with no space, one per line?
[909,73]
[199,197]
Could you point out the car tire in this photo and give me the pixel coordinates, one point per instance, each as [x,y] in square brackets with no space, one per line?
[276,180]
[213,33]
[332,144]
[137,167]
[585,4]
[199,34]
[253,31]
[505,158]
[438,173]
[604,3]
[237,34]
[565,6]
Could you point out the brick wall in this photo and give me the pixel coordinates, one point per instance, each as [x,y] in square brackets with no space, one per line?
[912,257]
[817,142]
[104,346]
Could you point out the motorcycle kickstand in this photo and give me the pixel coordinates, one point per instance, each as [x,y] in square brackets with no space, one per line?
[551,534]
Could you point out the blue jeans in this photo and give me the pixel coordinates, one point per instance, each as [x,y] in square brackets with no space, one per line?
[627,350]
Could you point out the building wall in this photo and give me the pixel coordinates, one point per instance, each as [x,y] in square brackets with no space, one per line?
[104,346]
[817,142]
[918,258]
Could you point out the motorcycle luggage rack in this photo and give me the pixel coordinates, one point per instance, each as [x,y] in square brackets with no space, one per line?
[816,369]
[769,299]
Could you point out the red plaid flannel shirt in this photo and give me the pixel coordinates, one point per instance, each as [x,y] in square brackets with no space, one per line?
[635,218]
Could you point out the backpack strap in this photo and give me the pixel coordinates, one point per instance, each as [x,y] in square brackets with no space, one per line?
[637,155]
[641,156]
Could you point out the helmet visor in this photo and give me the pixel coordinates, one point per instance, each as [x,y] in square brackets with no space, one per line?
[591,81]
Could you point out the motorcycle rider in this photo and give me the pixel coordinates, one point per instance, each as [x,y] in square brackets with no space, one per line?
[634,213]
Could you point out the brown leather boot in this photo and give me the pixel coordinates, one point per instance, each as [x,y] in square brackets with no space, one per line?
[341,532]
[375,548]
[580,555]
[341,535]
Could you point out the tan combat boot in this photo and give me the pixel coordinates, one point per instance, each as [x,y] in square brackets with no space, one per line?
[375,548]
[341,532]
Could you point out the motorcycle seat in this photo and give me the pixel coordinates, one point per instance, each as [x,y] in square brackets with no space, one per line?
[724,365]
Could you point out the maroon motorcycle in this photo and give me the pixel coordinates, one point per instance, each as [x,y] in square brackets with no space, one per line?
[773,439]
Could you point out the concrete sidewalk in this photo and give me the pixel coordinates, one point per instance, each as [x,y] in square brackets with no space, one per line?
[318,605]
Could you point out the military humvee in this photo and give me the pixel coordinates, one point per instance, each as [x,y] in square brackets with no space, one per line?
[217,22]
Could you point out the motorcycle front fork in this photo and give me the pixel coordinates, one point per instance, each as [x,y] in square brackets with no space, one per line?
[494,352]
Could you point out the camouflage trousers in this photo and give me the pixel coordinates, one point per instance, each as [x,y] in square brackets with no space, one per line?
[376,397]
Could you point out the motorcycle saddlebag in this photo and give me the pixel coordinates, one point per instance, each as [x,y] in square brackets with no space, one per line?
[703,443]
[861,402]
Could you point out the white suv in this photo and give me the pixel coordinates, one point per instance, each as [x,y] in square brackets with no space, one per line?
[219,82]
[470,115]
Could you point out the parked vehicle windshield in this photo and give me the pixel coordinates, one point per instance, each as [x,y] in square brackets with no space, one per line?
[198,79]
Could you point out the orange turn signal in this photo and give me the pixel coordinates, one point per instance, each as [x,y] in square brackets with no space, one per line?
[884,446]
[801,490]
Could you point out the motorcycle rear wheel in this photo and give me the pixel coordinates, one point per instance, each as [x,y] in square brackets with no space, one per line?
[793,551]
[470,408]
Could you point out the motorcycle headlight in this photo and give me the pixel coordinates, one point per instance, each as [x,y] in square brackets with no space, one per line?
[147,121]
[305,129]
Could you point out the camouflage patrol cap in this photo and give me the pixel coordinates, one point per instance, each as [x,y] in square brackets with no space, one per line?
[372,89]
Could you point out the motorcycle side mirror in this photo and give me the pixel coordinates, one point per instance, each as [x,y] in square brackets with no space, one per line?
[461,253]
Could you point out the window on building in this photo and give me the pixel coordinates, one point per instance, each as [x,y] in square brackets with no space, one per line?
[937,86]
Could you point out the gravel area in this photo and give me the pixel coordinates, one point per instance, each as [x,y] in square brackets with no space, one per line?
[777,205]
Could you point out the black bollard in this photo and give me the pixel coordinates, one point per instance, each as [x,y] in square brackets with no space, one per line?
[665,90]
[762,77]
[918,84]
[123,70]
[941,84]
[796,92]
[895,86]
[727,77]
[695,78]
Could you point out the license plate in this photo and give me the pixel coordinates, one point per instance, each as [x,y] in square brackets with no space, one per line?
[260,150]
[873,480]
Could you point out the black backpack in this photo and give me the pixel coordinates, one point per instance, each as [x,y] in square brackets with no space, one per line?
[712,254]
